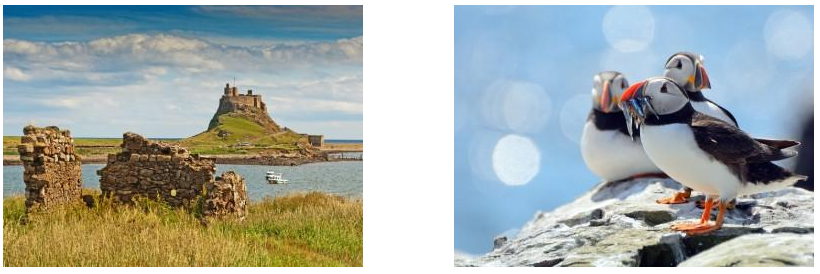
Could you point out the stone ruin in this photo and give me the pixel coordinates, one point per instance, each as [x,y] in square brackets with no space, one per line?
[171,174]
[227,195]
[51,170]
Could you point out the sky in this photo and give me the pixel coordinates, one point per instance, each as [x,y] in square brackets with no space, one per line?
[160,70]
[523,77]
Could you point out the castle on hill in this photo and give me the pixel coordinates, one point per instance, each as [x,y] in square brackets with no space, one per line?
[251,107]
[233,100]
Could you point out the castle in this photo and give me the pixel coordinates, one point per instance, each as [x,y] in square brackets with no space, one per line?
[232,100]
[251,107]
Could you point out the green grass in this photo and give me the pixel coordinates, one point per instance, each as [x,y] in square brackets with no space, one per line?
[208,143]
[111,145]
[311,229]
[241,130]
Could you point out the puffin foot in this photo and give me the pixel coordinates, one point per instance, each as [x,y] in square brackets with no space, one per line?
[729,206]
[701,229]
[685,226]
[679,198]
[704,226]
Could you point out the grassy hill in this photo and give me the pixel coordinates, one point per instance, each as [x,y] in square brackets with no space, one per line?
[236,134]
[311,229]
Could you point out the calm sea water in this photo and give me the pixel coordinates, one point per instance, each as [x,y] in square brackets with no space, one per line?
[341,178]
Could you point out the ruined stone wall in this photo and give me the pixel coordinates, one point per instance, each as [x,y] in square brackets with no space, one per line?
[150,169]
[51,171]
[168,173]
[226,196]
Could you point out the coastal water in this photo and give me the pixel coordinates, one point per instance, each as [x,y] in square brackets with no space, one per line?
[340,178]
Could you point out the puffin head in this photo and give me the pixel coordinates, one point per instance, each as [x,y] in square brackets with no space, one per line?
[607,86]
[687,70]
[653,96]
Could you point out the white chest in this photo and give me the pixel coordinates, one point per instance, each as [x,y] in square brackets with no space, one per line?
[674,150]
[612,155]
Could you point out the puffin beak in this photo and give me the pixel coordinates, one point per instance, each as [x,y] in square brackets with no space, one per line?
[701,79]
[631,105]
[605,98]
[633,91]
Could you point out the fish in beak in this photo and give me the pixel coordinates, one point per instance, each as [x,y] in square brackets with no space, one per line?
[630,107]
[636,105]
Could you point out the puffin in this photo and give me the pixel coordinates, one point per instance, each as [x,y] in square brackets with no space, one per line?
[687,70]
[702,152]
[606,145]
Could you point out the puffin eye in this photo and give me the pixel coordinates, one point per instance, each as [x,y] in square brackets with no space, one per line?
[623,84]
[663,89]
[679,65]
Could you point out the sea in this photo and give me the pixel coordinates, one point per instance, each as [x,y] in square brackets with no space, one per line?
[342,178]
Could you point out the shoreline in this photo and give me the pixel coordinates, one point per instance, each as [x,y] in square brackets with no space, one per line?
[233,159]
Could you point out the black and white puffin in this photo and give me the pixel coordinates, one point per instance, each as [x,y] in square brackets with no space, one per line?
[606,145]
[687,70]
[702,152]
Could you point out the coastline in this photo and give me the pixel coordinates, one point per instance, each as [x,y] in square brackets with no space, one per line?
[234,159]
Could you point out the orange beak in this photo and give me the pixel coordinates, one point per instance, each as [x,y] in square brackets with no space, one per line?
[605,98]
[631,91]
[701,78]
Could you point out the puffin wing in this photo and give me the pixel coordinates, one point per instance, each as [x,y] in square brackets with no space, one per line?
[730,145]
[778,144]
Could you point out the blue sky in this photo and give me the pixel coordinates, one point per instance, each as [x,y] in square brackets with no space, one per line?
[159,70]
[523,77]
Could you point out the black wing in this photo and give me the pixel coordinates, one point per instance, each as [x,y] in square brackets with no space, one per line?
[730,145]
[778,144]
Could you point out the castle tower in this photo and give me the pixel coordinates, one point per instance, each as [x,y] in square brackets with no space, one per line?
[227,89]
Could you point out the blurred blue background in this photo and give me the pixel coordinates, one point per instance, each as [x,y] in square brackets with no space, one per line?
[523,77]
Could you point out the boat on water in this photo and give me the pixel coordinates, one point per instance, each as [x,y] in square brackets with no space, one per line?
[275,178]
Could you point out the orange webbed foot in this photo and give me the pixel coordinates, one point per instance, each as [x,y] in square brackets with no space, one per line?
[678,198]
[702,229]
[685,226]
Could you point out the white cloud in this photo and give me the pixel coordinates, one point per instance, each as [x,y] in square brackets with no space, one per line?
[135,53]
[15,74]
[168,86]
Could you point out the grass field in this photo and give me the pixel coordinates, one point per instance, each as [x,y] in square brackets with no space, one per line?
[311,229]
[241,131]
[259,140]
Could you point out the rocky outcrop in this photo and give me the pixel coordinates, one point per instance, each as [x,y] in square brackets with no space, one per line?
[226,196]
[51,170]
[619,224]
[783,249]
[171,174]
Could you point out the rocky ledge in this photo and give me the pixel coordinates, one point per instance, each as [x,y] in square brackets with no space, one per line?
[619,224]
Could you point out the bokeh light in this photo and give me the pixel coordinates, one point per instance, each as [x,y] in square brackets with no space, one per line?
[788,34]
[516,106]
[629,28]
[516,160]
[480,154]
[574,114]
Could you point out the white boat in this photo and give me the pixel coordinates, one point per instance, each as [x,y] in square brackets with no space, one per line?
[275,178]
